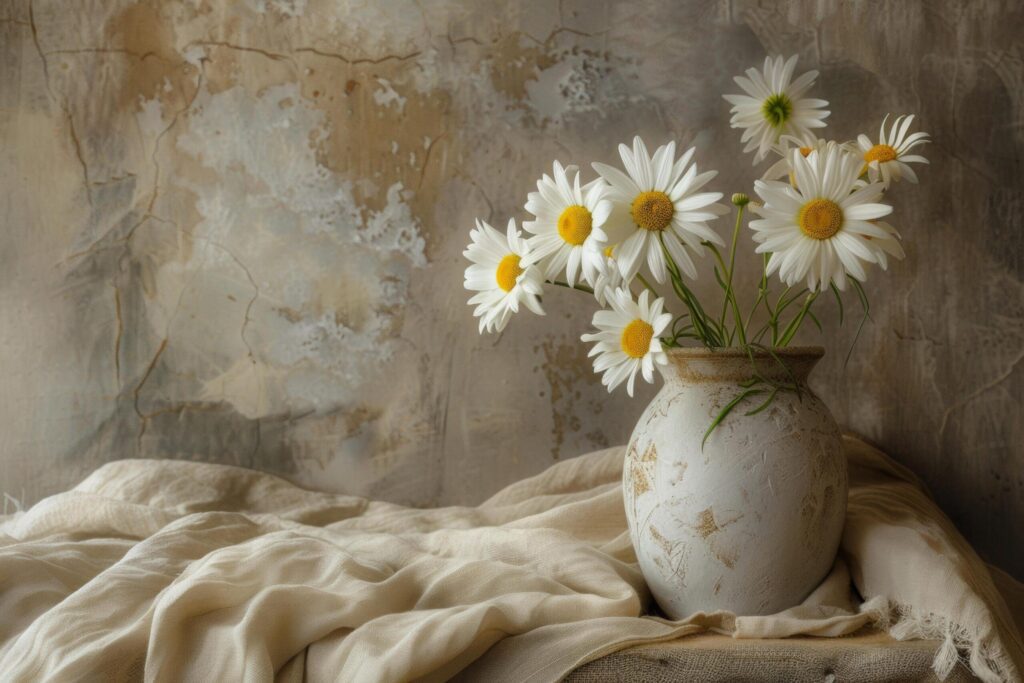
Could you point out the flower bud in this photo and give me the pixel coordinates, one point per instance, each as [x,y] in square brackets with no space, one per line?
[740,199]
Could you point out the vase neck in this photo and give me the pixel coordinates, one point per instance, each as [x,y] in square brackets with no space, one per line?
[689,366]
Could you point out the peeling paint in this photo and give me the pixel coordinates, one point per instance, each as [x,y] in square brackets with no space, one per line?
[234,233]
[385,95]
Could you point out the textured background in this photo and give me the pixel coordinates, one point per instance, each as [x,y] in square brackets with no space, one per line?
[232,231]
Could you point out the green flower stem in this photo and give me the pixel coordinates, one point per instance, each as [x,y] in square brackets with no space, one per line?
[773,315]
[694,302]
[794,325]
[862,295]
[683,332]
[729,293]
[711,337]
[697,315]
[579,287]
[730,298]
[646,284]
[698,321]
[762,291]
[756,338]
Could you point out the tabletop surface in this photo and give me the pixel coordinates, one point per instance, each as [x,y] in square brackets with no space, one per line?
[864,656]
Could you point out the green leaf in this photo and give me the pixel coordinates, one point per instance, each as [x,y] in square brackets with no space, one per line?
[867,315]
[839,299]
[814,319]
[697,315]
[783,305]
[767,402]
[794,325]
[728,409]
[760,333]
[749,349]
[786,368]
[676,330]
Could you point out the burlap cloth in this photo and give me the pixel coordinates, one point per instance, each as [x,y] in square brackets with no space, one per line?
[171,571]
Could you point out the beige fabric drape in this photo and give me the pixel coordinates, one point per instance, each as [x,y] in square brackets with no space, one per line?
[168,571]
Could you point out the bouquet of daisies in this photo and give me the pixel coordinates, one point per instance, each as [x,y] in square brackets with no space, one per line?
[820,223]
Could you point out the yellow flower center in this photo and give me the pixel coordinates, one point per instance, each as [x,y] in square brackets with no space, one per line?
[806,150]
[608,250]
[636,338]
[820,218]
[508,272]
[652,210]
[880,153]
[575,224]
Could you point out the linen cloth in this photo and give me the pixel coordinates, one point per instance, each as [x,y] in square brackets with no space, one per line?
[169,570]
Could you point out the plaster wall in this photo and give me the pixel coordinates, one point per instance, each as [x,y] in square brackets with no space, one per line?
[232,231]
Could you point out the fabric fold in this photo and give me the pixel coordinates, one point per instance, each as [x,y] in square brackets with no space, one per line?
[166,570]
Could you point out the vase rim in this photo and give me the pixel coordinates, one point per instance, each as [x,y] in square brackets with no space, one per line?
[738,352]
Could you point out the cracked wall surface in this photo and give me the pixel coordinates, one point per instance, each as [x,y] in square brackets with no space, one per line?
[233,232]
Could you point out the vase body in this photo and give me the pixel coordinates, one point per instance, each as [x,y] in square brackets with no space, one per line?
[751,521]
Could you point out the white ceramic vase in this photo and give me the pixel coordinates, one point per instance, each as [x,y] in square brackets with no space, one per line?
[751,522]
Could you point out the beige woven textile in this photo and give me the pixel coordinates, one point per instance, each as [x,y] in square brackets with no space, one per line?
[179,571]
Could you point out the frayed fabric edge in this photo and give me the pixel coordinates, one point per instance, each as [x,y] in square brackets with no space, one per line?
[959,644]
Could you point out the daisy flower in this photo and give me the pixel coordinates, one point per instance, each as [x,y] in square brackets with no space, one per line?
[608,279]
[567,230]
[500,276]
[821,229]
[774,105]
[888,160]
[657,201]
[627,339]
[806,145]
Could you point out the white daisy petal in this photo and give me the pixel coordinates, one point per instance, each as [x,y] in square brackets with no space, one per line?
[617,179]
[680,256]
[601,211]
[888,159]
[568,227]
[664,203]
[629,253]
[822,230]
[776,105]
[867,211]
[907,172]
[626,154]
[656,263]
[850,263]
[630,347]
[662,163]
[502,275]
[642,161]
